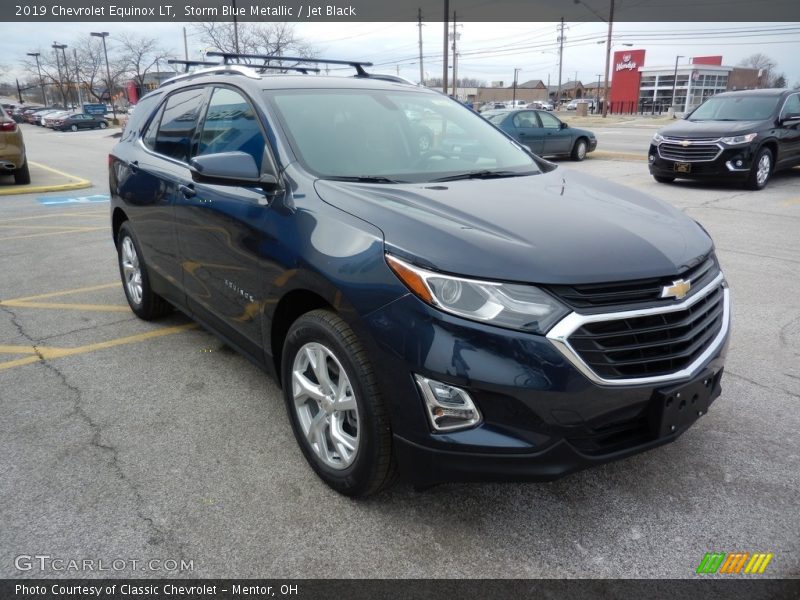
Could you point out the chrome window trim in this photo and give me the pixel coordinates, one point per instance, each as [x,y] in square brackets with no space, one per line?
[559,336]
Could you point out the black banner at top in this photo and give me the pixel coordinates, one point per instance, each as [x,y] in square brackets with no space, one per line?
[400,10]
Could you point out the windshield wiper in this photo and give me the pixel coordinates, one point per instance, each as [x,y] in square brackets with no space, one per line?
[483,174]
[364,179]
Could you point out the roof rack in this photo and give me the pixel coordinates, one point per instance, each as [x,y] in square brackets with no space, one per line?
[192,63]
[227,57]
[218,69]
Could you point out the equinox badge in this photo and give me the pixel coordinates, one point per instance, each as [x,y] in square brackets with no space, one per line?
[677,290]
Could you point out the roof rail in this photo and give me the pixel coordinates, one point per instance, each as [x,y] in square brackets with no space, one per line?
[220,69]
[227,57]
[192,63]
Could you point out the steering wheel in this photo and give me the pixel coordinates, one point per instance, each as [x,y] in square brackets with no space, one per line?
[427,156]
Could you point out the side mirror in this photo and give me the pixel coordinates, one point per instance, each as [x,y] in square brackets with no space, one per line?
[564,125]
[229,168]
[790,119]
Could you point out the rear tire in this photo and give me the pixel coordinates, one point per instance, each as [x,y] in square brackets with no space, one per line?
[22,176]
[103,124]
[761,171]
[663,178]
[579,150]
[146,304]
[73,128]
[338,416]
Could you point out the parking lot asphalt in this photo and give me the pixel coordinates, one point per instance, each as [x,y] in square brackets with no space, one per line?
[122,439]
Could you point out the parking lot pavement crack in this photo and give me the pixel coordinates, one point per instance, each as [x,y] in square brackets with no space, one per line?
[158,535]
[761,385]
[92,327]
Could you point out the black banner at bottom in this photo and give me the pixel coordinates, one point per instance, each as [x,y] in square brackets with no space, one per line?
[400,589]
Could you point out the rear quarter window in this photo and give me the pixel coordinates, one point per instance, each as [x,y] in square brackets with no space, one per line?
[144,109]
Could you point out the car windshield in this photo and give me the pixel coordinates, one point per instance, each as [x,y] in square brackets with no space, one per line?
[736,108]
[393,136]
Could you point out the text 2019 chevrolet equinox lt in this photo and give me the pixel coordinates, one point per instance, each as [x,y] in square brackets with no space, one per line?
[742,136]
[468,312]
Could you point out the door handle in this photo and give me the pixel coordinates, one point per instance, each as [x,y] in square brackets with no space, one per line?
[521,134]
[188,191]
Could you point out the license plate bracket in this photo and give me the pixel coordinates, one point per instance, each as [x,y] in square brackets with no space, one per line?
[676,407]
[682,167]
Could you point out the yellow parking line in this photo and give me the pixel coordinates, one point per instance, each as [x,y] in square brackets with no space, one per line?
[49,353]
[58,214]
[792,201]
[58,227]
[67,306]
[91,288]
[17,350]
[33,235]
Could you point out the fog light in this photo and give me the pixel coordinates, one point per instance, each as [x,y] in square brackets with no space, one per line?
[652,157]
[448,407]
[739,162]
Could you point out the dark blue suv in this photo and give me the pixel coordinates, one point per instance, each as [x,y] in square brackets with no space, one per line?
[460,310]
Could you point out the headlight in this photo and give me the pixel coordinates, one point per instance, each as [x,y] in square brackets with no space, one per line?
[658,138]
[511,305]
[735,140]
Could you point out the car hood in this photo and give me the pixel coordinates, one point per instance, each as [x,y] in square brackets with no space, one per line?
[706,129]
[557,227]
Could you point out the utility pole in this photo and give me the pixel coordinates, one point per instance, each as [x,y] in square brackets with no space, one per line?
[419,25]
[455,57]
[597,94]
[514,99]
[675,82]
[41,81]
[446,60]
[104,35]
[185,47]
[560,58]
[77,77]
[55,48]
[608,57]
[235,28]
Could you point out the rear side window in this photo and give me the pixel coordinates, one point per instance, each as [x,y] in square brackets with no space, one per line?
[174,136]
[231,125]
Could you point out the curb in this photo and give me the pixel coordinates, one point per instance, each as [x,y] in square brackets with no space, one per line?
[610,155]
[76,183]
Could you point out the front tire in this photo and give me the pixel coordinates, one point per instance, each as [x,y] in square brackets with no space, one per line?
[146,304]
[579,150]
[73,128]
[103,124]
[761,171]
[337,413]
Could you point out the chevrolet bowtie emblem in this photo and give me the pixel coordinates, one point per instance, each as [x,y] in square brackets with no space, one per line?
[677,290]
[685,143]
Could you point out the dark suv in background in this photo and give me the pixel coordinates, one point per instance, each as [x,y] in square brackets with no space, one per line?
[462,311]
[741,136]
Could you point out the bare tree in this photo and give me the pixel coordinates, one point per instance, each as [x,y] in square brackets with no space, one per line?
[767,66]
[140,55]
[272,39]
[53,74]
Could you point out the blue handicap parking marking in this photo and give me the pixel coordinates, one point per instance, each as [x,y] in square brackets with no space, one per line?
[52,200]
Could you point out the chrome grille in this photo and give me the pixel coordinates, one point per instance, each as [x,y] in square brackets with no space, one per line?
[626,293]
[692,153]
[650,345]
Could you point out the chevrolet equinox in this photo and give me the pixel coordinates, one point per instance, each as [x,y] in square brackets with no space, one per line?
[461,311]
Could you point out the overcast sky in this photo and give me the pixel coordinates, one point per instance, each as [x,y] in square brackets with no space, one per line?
[489,51]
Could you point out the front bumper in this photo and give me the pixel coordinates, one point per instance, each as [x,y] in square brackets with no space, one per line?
[542,417]
[733,164]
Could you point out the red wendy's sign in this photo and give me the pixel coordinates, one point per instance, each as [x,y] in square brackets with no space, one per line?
[625,76]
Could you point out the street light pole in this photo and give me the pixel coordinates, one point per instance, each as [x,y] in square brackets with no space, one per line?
[41,81]
[55,48]
[514,100]
[674,83]
[104,35]
[597,94]
[63,48]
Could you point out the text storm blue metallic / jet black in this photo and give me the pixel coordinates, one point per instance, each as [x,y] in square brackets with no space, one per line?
[434,299]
